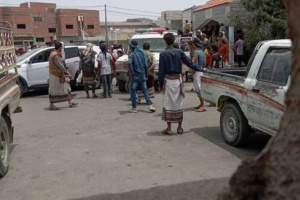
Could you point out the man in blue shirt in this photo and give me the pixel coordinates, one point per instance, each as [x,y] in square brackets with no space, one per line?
[139,73]
[170,82]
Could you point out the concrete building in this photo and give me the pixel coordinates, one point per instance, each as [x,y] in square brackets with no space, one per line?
[215,12]
[38,23]
[188,14]
[121,32]
[169,15]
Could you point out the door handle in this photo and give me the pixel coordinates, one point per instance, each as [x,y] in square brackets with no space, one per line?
[256,90]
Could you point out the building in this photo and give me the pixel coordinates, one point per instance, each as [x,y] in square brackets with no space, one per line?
[215,12]
[170,15]
[188,15]
[121,32]
[38,23]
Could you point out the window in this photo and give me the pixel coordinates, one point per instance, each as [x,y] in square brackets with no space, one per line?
[276,66]
[90,27]
[72,52]
[69,26]
[21,26]
[37,19]
[42,57]
[52,30]
[40,39]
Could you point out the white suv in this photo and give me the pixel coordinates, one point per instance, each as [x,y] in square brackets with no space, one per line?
[33,67]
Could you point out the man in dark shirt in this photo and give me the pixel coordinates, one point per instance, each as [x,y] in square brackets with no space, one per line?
[170,82]
[139,73]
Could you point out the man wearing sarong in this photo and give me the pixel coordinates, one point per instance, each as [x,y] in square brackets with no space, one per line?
[198,57]
[171,84]
[58,87]
[139,71]
[150,79]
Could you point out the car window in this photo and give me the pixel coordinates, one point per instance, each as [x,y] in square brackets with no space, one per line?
[72,52]
[276,66]
[42,57]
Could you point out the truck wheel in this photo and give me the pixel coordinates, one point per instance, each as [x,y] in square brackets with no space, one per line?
[234,125]
[122,86]
[4,147]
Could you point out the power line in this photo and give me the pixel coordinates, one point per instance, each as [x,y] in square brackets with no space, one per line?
[134,10]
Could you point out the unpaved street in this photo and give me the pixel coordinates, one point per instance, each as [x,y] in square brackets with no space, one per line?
[99,147]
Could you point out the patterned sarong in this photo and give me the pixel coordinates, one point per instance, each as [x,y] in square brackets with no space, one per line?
[173,99]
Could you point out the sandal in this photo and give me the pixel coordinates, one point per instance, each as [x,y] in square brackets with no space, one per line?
[180,131]
[87,97]
[166,132]
[53,108]
[197,108]
[95,96]
[72,105]
[201,109]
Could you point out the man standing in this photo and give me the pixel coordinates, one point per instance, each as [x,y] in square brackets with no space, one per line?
[239,47]
[170,83]
[139,73]
[198,57]
[151,67]
[187,27]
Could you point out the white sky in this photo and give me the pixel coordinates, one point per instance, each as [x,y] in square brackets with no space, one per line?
[152,6]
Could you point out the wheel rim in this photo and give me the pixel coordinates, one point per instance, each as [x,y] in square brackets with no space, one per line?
[230,124]
[3,148]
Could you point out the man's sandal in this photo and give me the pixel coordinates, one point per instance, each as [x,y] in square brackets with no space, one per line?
[180,131]
[166,132]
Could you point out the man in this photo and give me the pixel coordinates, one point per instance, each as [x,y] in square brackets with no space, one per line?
[139,73]
[239,47]
[170,82]
[216,60]
[150,65]
[198,57]
[187,27]
[58,87]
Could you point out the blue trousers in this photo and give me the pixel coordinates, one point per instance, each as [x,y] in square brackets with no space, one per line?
[138,81]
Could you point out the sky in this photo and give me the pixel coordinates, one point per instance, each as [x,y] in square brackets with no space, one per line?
[122,10]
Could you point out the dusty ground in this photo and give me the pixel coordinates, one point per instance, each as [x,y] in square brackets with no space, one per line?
[100,148]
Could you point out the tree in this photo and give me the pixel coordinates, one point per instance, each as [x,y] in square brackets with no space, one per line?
[275,173]
[263,20]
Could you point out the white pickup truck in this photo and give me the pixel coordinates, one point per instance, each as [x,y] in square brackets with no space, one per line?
[256,100]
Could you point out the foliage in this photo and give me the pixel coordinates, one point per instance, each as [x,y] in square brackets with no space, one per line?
[260,20]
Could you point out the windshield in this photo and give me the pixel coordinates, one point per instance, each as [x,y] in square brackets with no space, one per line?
[26,55]
[156,44]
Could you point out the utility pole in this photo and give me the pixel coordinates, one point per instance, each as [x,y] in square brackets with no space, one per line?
[106,36]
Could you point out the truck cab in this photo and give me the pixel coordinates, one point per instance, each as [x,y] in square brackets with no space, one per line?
[9,94]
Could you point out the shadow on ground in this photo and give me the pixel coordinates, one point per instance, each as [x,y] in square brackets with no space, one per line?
[206,190]
[256,143]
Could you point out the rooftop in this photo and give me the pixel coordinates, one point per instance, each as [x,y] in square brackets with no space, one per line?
[212,3]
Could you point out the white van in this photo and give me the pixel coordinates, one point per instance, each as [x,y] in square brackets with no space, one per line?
[33,67]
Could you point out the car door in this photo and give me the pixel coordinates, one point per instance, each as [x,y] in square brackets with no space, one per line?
[72,60]
[38,68]
[266,92]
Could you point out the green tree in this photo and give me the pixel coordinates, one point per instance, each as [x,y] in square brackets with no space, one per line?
[260,20]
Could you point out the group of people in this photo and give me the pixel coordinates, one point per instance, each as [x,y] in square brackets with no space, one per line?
[141,68]
[215,44]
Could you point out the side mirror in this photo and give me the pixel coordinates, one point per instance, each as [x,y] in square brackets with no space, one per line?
[30,61]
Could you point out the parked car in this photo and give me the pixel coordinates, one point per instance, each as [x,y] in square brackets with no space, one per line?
[9,94]
[254,101]
[33,67]
[152,36]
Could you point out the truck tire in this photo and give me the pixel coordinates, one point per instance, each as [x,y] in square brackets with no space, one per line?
[122,86]
[4,147]
[234,125]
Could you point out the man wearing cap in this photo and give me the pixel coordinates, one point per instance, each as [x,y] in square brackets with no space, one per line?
[139,73]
